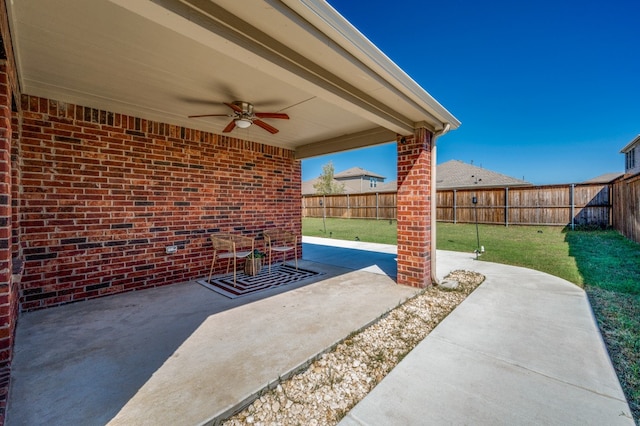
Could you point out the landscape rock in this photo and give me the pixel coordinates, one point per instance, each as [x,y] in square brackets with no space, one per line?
[336,381]
[449,285]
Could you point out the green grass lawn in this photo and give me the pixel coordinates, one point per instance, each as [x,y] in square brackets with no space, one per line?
[537,247]
[541,248]
[610,267]
[604,263]
[373,231]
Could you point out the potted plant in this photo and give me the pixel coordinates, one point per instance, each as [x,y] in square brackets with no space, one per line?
[253,265]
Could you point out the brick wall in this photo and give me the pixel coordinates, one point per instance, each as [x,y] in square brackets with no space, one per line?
[16,248]
[103,194]
[9,269]
[414,209]
[8,285]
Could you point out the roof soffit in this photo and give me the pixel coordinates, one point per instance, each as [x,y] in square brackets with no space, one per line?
[219,29]
[326,76]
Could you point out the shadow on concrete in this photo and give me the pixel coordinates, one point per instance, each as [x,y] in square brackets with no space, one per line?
[184,352]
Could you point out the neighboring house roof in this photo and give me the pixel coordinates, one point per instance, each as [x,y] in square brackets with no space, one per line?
[453,174]
[307,186]
[355,180]
[356,172]
[630,145]
[605,178]
[456,174]
[388,186]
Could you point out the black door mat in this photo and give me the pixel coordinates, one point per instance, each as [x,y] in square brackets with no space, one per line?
[246,284]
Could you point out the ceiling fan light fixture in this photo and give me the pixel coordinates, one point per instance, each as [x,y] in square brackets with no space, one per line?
[243,123]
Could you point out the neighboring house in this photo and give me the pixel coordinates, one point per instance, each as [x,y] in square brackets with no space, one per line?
[632,156]
[359,180]
[356,180]
[455,174]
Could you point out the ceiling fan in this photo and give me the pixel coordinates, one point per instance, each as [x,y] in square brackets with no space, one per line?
[243,117]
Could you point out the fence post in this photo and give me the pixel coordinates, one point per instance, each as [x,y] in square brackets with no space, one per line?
[377,208]
[455,202]
[610,207]
[573,205]
[506,207]
[348,207]
[323,203]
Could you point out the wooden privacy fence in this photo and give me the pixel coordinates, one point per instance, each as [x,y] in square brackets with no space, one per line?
[579,204]
[626,214]
[379,205]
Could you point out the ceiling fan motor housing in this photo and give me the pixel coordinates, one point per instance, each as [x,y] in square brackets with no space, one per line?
[247,108]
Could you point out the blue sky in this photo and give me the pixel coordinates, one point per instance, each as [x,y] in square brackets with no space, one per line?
[546,90]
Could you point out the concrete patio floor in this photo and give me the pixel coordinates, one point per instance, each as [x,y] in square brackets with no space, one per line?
[522,349]
[183,354]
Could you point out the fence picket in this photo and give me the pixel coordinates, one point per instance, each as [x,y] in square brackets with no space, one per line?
[580,204]
[616,204]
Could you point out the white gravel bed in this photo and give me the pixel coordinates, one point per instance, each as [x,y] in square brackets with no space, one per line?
[324,393]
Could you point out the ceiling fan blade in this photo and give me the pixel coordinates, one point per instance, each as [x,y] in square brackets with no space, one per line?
[271,115]
[234,107]
[230,127]
[265,126]
[210,115]
[198,101]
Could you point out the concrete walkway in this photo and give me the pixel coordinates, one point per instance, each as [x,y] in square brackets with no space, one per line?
[522,349]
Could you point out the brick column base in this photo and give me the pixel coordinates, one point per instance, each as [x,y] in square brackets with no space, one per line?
[414,209]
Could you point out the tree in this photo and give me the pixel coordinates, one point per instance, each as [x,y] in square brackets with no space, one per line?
[326,184]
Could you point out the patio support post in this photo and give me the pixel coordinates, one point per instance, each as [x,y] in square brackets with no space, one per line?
[455,206]
[414,208]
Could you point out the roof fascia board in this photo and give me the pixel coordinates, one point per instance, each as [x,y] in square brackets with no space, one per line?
[213,26]
[349,38]
[357,140]
[630,144]
[15,43]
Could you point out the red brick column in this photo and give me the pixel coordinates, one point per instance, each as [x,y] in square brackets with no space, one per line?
[414,209]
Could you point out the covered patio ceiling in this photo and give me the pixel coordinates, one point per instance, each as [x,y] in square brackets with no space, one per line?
[164,60]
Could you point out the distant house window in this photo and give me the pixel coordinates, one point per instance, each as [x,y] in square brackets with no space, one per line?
[372,182]
[630,158]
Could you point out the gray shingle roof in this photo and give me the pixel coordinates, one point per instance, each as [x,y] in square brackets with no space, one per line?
[605,178]
[453,174]
[457,174]
[356,172]
[307,186]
